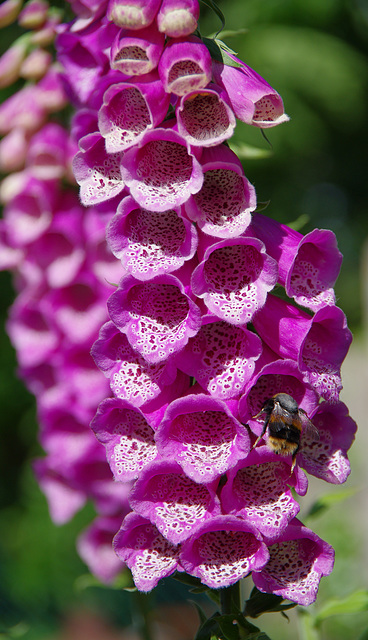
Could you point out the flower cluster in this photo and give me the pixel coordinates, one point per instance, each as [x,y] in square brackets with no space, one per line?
[57,251]
[197,338]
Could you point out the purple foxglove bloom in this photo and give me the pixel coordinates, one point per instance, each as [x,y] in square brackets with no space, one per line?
[57,255]
[157,317]
[204,117]
[129,110]
[149,556]
[319,344]
[257,490]
[78,309]
[150,243]
[223,551]
[48,152]
[97,172]
[9,10]
[326,458]
[10,257]
[185,66]
[203,436]
[223,206]
[280,376]
[297,562]
[132,14]
[32,332]
[221,357]
[131,377]
[173,502]
[234,278]
[161,172]
[63,500]
[36,64]
[94,546]
[178,18]
[308,265]
[29,211]
[137,53]
[252,99]
[23,110]
[50,93]
[127,436]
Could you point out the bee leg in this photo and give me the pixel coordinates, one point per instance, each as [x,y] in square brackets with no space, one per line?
[263,431]
[293,460]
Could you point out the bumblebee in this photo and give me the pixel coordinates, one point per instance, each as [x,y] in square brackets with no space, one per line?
[286,422]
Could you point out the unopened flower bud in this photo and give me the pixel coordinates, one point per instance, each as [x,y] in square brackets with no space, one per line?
[178,18]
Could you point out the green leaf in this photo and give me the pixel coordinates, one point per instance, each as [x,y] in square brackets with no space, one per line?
[307,626]
[209,630]
[212,5]
[259,603]
[355,602]
[261,206]
[328,500]
[300,222]
[192,581]
[201,613]
[247,152]
[229,630]
[219,53]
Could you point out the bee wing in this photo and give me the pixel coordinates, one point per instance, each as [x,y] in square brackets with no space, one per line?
[310,431]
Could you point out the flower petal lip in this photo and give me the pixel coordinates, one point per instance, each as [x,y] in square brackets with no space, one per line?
[137,53]
[150,243]
[148,555]
[203,435]
[222,208]
[131,109]
[157,316]
[161,172]
[173,502]
[234,278]
[224,550]
[297,562]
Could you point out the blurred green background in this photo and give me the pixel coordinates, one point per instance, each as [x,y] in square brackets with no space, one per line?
[314,52]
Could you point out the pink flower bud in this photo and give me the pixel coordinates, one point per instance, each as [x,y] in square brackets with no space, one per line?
[11,62]
[177,18]
[36,64]
[9,11]
[34,14]
[133,14]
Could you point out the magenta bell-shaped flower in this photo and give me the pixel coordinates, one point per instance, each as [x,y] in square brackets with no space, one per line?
[137,53]
[185,66]
[252,99]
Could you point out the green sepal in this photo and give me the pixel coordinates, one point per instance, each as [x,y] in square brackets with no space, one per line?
[259,603]
[185,578]
[248,152]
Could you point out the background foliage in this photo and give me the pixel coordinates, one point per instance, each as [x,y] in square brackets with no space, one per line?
[316,55]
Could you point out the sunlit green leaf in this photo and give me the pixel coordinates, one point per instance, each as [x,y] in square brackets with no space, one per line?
[328,500]
[353,603]
[248,152]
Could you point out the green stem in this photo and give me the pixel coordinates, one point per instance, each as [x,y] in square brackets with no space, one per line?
[230,598]
[140,616]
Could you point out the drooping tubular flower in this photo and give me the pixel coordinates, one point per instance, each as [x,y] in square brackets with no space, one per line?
[167,336]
